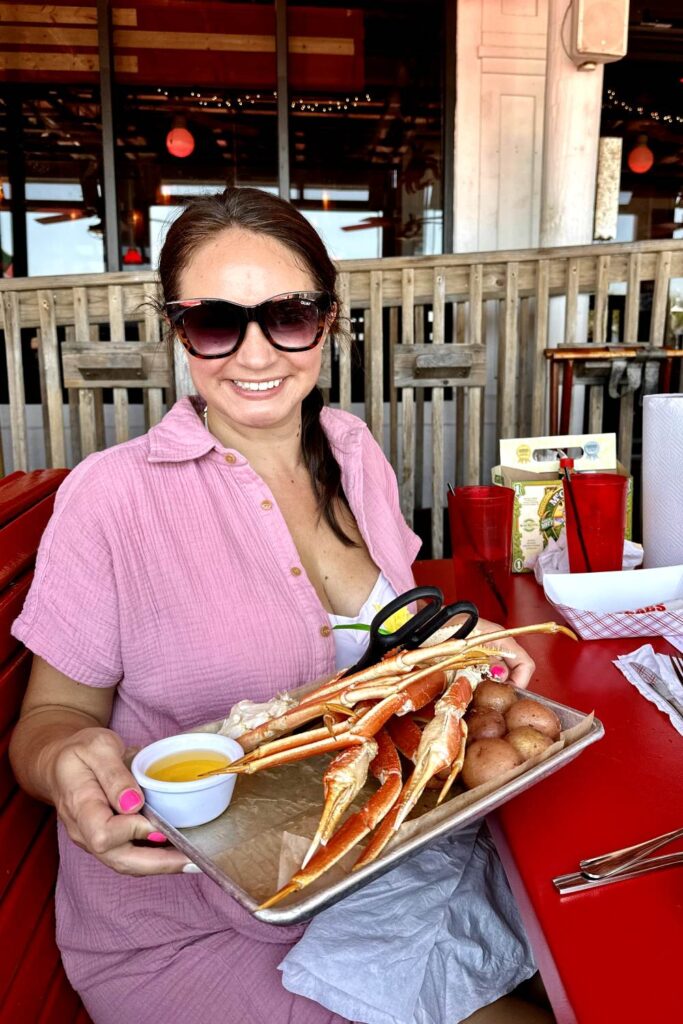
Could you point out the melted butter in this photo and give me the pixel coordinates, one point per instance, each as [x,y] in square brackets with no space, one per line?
[186,766]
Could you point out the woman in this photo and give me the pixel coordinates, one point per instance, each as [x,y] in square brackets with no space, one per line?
[185,570]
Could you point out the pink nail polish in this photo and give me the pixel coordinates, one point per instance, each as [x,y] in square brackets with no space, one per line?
[156,837]
[129,800]
[497,671]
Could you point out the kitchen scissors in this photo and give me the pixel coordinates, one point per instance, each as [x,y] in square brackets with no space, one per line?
[417,629]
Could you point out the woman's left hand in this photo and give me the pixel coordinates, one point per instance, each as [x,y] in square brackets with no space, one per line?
[516,665]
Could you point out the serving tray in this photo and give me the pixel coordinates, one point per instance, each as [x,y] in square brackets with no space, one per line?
[256,845]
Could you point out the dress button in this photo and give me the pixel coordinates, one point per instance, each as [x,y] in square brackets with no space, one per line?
[230,458]
[295,570]
[266,505]
[325,630]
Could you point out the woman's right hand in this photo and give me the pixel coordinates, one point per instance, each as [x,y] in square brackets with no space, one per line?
[97,799]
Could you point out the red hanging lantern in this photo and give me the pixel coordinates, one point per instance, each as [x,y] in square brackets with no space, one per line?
[180,141]
[132,255]
[641,157]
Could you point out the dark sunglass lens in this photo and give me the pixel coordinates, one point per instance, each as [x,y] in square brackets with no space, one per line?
[292,323]
[212,328]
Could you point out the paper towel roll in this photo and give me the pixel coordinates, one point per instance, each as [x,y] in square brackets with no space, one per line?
[663,480]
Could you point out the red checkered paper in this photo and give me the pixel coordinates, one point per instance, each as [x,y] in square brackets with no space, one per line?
[635,602]
[603,625]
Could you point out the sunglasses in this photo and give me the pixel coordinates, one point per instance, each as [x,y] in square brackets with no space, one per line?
[214,328]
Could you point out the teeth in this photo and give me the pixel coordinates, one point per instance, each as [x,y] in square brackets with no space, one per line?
[264,385]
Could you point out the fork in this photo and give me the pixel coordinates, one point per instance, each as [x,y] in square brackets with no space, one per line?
[657,684]
[577,882]
[620,860]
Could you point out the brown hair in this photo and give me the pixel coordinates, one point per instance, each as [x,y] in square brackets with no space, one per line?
[253,210]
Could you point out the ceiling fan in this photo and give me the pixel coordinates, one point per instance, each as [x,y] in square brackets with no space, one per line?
[410,229]
[91,206]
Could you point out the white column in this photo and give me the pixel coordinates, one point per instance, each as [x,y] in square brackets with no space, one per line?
[500,84]
[570,139]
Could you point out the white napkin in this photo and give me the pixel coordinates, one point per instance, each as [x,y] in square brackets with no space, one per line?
[554,558]
[429,942]
[647,670]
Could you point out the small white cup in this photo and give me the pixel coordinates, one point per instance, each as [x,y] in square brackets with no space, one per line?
[184,804]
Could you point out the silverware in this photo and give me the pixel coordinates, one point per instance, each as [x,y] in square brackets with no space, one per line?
[577,882]
[657,684]
[677,666]
[611,863]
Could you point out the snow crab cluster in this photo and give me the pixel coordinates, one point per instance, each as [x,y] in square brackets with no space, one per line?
[412,702]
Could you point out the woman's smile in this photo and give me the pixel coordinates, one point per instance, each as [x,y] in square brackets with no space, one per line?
[259,388]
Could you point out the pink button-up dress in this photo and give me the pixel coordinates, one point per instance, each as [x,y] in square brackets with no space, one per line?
[166,570]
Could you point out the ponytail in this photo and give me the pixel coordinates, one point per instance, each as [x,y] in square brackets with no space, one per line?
[322,466]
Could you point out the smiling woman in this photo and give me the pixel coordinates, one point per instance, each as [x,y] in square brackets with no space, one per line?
[199,565]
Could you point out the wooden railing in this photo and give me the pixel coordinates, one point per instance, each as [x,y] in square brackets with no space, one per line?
[440,340]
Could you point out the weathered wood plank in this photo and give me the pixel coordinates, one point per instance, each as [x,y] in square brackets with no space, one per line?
[393,394]
[596,401]
[53,384]
[601,301]
[539,399]
[473,420]
[632,300]
[450,366]
[508,356]
[438,478]
[526,369]
[116,365]
[419,415]
[407,473]
[345,345]
[660,299]
[90,406]
[473,404]
[15,378]
[117,331]
[374,359]
[625,434]
[571,306]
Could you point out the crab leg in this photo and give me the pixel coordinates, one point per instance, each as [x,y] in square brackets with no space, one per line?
[409,697]
[346,775]
[342,782]
[440,745]
[387,769]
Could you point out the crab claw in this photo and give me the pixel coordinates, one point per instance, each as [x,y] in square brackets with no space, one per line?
[386,768]
[441,745]
[342,782]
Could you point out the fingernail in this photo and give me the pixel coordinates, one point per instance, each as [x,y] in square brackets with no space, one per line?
[497,671]
[156,837]
[192,869]
[129,800]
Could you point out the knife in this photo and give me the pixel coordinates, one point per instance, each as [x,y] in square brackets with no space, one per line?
[657,684]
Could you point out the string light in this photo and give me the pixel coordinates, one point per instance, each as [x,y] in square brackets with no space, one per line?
[305,105]
[613,102]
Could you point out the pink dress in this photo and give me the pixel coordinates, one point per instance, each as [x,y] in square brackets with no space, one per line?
[168,569]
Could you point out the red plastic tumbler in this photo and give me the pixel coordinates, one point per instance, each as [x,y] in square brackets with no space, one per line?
[480,521]
[596,541]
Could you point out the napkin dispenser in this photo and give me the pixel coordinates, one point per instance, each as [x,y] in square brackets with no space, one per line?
[616,604]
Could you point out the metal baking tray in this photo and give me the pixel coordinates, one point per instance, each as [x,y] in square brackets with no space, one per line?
[248,850]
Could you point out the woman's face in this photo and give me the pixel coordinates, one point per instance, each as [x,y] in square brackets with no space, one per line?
[247,268]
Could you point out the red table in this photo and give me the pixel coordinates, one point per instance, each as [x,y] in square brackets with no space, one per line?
[614,954]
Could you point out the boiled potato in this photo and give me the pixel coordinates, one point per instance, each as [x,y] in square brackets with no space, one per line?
[484,723]
[527,741]
[486,759]
[497,696]
[538,716]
